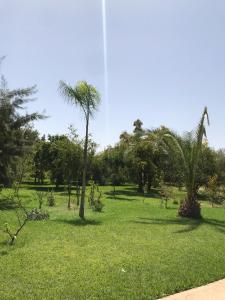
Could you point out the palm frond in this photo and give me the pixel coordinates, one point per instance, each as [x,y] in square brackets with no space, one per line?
[174,140]
[83,94]
[197,145]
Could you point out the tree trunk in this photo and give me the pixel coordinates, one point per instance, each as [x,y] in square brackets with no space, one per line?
[190,208]
[69,195]
[78,193]
[82,201]
[141,182]
[149,185]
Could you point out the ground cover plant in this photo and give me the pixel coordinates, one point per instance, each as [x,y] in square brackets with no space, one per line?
[134,249]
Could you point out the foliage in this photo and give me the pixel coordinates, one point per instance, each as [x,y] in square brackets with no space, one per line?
[37,214]
[40,196]
[95,196]
[16,134]
[214,191]
[51,198]
[220,166]
[165,193]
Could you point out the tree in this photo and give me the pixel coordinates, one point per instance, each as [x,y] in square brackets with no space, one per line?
[16,138]
[138,130]
[60,156]
[189,150]
[87,97]
[220,166]
[213,190]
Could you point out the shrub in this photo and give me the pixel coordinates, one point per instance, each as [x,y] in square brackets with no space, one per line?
[40,198]
[51,198]
[216,196]
[165,194]
[37,214]
[175,202]
[97,206]
[95,200]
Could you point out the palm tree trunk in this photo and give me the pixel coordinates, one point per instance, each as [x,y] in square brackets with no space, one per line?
[82,201]
[190,207]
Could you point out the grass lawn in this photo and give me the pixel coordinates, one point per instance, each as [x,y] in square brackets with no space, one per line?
[133,250]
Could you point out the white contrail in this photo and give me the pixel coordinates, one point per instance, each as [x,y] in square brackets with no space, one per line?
[105,67]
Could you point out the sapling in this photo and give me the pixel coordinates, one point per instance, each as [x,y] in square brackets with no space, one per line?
[165,194]
[40,198]
[95,197]
[22,220]
[51,198]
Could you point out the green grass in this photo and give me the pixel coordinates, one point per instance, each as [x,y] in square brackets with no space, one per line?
[133,250]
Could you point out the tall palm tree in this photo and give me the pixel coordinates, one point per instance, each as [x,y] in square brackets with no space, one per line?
[87,97]
[189,150]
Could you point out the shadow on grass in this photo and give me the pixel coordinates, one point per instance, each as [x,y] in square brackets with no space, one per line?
[45,188]
[190,224]
[119,198]
[77,222]
[131,192]
[3,253]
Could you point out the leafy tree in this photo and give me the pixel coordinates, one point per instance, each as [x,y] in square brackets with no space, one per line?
[16,138]
[189,150]
[87,97]
[213,189]
[138,130]
[206,166]
[220,166]
[61,156]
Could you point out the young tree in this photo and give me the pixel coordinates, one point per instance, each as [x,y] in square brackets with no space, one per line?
[189,150]
[87,97]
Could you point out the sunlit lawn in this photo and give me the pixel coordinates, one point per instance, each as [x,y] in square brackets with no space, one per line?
[133,250]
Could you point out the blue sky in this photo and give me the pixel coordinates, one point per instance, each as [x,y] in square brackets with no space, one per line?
[166,61]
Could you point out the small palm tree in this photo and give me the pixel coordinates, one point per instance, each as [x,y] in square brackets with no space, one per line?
[87,97]
[189,150]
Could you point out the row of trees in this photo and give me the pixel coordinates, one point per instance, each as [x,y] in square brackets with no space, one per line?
[144,157]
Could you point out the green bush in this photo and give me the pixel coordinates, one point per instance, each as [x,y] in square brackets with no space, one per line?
[97,206]
[95,197]
[37,214]
[51,199]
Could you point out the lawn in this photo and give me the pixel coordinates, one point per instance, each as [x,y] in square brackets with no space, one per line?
[132,250]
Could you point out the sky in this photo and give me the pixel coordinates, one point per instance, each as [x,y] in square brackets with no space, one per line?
[165,62]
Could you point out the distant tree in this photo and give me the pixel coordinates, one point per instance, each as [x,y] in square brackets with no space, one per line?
[213,190]
[87,97]
[206,166]
[138,130]
[220,166]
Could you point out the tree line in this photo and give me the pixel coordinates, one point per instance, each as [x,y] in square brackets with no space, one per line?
[145,157]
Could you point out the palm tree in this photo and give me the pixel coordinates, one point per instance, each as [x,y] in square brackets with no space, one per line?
[87,97]
[189,150]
